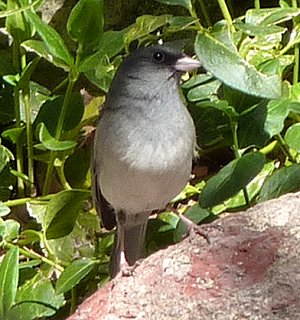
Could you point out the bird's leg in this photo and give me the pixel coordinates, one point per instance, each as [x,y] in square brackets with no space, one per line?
[192,226]
[125,269]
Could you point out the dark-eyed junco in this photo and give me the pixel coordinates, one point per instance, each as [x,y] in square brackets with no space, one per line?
[144,145]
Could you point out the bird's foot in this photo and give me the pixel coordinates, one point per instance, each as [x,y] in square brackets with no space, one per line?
[125,269]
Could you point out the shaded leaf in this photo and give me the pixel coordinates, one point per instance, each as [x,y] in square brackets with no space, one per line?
[231,179]
[73,274]
[9,277]
[86,23]
[51,143]
[53,41]
[35,299]
[62,211]
[284,180]
[292,137]
[4,210]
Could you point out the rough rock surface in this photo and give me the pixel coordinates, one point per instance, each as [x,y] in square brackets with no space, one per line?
[251,270]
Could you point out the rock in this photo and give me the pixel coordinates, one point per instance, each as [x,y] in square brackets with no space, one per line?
[251,270]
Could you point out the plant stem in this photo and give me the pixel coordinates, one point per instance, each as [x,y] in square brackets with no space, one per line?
[19,146]
[226,14]
[234,127]
[205,12]
[296,51]
[194,15]
[26,97]
[58,133]
[34,255]
[296,65]
[257,4]
[284,147]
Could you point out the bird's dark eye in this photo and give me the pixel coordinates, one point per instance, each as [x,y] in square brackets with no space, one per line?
[159,56]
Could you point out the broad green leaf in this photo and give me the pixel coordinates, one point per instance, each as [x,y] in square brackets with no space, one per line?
[211,123]
[77,168]
[51,143]
[62,211]
[49,113]
[270,16]
[4,210]
[197,80]
[53,41]
[204,91]
[9,277]
[12,228]
[184,3]
[73,274]
[16,24]
[36,299]
[254,30]
[253,189]
[292,137]
[284,180]
[103,72]
[85,24]
[41,49]
[145,25]
[13,134]
[111,43]
[226,64]
[231,179]
[262,122]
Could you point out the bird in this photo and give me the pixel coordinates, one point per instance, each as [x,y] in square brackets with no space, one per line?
[144,146]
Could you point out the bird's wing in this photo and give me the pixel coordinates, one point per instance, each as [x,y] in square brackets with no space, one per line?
[104,209]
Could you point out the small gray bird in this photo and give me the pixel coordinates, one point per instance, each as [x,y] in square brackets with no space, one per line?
[144,146]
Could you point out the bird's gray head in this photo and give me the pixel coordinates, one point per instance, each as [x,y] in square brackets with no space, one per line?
[157,60]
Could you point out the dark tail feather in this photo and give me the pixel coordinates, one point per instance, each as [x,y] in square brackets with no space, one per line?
[134,246]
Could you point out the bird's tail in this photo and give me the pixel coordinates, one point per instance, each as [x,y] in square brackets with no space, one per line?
[134,246]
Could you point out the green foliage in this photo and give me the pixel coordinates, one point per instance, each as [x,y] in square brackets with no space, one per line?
[247,101]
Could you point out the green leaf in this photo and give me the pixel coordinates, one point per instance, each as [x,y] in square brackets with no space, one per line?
[284,180]
[86,23]
[4,158]
[222,59]
[53,144]
[145,25]
[253,189]
[62,211]
[73,274]
[16,24]
[111,43]
[204,91]
[27,72]
[12,228]
[254,30]
[77,168]
[41,49]
[36,299]
[184,3]
[4,210]
[231,179]
[13,134]
[262,122]
[49,113]
[292,137]
[270,16]
[9,277]
[53,41]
